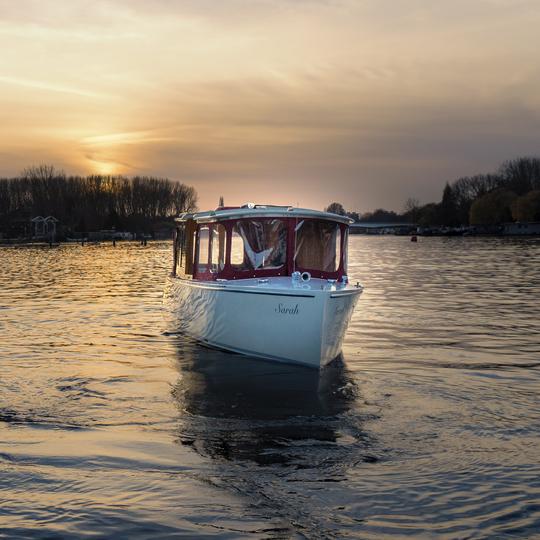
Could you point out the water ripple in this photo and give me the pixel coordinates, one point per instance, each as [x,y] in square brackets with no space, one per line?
[112,425]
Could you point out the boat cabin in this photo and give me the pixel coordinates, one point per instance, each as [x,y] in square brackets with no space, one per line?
[260,241]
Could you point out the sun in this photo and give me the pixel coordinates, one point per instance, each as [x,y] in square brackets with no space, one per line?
[104,167]
[107,168]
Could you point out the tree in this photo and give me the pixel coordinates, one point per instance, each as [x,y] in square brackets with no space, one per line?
[41,172]
[93,202]
[428,215]
[492,208]
[527,207]
[336,208]
[411,209]
[448,207]
[521,174]
[381,216]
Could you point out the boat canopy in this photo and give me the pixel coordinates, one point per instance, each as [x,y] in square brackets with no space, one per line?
[251,210]
[260,241]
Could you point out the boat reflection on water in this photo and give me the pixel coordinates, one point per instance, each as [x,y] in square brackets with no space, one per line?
[242,409]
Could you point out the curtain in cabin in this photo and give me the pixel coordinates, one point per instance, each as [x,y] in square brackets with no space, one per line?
[317,244]
[264,243]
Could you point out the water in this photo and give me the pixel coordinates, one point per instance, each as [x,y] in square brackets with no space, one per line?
[109,426]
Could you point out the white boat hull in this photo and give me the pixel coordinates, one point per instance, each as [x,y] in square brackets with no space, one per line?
[271,319]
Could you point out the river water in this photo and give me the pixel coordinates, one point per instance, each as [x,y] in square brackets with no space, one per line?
[110,426]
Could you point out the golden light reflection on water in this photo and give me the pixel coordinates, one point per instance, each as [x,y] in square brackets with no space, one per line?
[107,423]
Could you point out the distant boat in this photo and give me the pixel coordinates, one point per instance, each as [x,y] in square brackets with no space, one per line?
[265,281]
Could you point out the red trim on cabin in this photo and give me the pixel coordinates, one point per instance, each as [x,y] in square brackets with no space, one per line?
[229,273]
[291,224]
[228,242]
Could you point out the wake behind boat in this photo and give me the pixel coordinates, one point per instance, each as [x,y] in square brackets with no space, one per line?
[266,281]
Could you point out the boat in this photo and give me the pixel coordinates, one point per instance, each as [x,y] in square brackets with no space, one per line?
[264,281]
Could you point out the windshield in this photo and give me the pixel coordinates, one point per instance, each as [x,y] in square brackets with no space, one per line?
[258,244]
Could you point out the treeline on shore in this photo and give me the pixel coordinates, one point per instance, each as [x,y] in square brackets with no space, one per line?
[90,203]
[510,194]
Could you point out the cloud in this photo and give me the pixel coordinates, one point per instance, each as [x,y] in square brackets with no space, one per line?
[369,101]
[40,85]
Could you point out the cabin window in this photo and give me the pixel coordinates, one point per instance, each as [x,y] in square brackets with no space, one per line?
[317,245]
[180,248]
[258,244]
[217,247]
[178,253]
[183,249]
[237,249]
[203,248]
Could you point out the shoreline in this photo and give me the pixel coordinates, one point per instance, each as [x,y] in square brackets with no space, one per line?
[30,243]
[39,243]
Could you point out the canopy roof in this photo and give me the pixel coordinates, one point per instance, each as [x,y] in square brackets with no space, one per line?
[266,211]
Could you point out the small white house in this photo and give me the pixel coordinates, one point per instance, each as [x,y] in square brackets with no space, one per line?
[44,227]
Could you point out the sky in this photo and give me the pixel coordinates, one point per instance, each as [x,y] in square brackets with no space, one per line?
[301,102]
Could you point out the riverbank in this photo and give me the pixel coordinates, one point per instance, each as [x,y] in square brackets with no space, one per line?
[506,229]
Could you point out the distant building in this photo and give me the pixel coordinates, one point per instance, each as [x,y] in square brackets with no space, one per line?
[522,228]
[44,227]
[381,228]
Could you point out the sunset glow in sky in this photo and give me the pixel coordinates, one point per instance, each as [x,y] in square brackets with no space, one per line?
[300,101]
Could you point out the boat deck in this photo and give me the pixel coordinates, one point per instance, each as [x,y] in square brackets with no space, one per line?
[279,285]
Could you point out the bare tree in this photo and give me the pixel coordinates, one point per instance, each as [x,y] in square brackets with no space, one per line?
[94,202]
[412,209]
[41,172]
[521,174]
